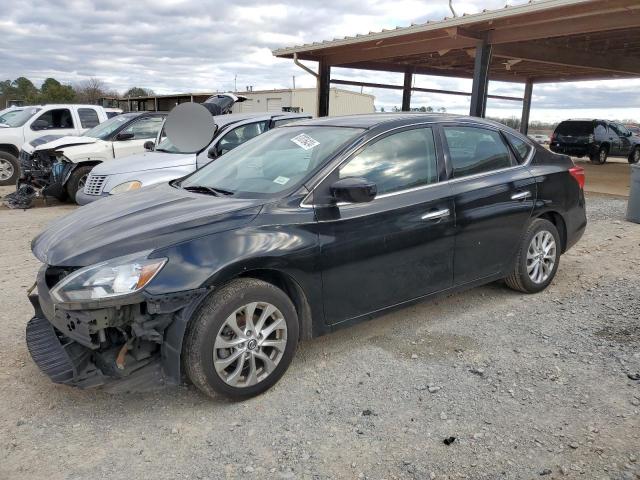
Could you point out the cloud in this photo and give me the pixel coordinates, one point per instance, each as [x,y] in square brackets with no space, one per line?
[199,46]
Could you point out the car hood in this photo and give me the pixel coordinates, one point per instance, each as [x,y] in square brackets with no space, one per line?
[144,161]
[55,142]
[146,219]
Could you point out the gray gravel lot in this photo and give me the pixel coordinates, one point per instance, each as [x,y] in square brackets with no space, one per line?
[530,387]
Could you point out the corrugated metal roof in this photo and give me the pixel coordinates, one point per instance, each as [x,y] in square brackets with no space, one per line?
[463,20]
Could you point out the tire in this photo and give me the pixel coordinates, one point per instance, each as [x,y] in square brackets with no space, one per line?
[525,279]
[635,155]
[9,169]
[203,357]
[601,157]
[77,180]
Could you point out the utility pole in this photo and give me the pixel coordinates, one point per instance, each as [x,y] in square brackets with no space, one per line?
[235,82]
[294,82]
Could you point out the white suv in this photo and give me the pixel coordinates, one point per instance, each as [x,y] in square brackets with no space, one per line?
[36,121]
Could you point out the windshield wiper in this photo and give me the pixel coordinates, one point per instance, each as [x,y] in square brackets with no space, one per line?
[210,190]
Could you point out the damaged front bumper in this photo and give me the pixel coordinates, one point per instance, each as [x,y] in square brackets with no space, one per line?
[130,346]
[45,172]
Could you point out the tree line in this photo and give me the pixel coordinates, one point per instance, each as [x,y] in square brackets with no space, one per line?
[52,91]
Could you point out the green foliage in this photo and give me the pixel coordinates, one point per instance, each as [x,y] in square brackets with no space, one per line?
[23,89]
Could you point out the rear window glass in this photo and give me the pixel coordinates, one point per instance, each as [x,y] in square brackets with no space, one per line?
[88,117]
[575,128]
[520,146]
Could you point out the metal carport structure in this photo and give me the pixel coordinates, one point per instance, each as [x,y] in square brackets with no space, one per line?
[542,41]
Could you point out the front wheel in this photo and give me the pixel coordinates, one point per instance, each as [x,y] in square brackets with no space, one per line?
[77,180]
[9,169]
[241,340]
[538,258]
[635,155]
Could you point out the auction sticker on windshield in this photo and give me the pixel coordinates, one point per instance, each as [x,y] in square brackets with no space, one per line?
[305,141]
[282,180]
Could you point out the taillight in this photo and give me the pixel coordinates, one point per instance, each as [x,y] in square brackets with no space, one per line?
[578,174]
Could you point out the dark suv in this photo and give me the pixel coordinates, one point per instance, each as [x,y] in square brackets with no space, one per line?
[302,230]
[596,138]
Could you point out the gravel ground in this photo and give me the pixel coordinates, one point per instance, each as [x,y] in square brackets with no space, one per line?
[542,386]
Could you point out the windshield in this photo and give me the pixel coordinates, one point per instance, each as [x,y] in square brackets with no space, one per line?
[273,162]
[105,129]
[7,115]
[21,117]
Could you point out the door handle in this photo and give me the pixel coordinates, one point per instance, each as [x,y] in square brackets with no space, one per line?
[436,214]
[521,195]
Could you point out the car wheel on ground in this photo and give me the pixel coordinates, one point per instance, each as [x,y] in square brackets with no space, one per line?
[241,340]
[9,169]
[600,157]
[635,155]
[538,258]
[77,180]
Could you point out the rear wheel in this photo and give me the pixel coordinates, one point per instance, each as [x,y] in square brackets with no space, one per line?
[538,258]
[77,180]
[242,339]
[635,155]
[600,157]
[9,169]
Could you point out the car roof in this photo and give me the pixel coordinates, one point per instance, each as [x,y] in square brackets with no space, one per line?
[223,120]
[371,120]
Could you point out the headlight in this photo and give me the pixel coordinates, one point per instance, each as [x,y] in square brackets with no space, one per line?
[113,278]
[125,187]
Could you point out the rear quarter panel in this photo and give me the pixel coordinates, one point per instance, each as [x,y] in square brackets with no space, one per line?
[558,192]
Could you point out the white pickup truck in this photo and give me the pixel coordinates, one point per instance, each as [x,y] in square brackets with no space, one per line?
[39,120]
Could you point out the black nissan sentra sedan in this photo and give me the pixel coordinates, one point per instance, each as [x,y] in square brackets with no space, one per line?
[300,231]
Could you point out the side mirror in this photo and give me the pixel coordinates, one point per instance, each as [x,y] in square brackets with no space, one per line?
[149,145]
[40,124]
[124,136]
[213,152]
[354,190]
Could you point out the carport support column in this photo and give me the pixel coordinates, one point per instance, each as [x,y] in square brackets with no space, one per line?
[480,79]
[526,107]
[406,90]
[324,79]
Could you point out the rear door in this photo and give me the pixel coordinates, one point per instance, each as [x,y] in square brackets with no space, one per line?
[399,246]
[623,137]
[493,195]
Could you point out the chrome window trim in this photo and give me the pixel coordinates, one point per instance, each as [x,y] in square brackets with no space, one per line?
[346,155]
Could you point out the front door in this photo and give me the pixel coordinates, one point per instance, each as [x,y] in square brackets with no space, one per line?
[493,196]
[397,247]
[142,129]
[56,121]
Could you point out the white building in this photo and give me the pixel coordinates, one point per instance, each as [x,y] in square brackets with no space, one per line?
[304,100]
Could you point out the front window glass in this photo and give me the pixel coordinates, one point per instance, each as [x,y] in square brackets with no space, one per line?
[476,150]
[397,162]
[105,129]
[147,127]
[60,118]
[239,135]
[22,117]
[274,162]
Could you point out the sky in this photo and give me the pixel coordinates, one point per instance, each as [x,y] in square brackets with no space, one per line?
[179,46]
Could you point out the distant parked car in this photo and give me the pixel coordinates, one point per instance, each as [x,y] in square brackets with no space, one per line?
[635,129]
[60,165]
[540,138]
[597,139]
[39,120]
[167,163]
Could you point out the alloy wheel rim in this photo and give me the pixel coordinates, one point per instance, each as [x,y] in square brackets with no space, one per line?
[636,155]
[250,344]
[6,169]
[541,256]
[82,182]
